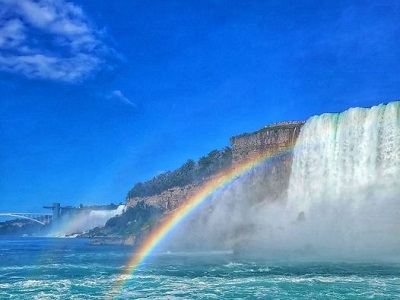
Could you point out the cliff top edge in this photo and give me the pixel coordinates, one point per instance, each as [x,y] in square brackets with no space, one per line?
[273,126]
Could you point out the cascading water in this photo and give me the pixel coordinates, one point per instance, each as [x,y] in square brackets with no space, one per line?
[343,195]
[83,221]
[346,179]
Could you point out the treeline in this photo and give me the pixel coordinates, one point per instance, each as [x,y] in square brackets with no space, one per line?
[133,219]
[190,172]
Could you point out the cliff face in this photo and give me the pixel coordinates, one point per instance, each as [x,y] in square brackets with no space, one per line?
[237,213]
[267,141]
[272,178]
[167,200]
[142,214]
[235,207]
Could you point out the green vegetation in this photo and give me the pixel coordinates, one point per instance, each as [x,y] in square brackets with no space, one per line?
[130,223]
[140,218]
[190,172]
[134,219]
[21,227]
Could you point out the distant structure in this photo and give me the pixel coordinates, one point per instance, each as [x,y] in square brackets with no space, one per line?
[40,218]
[70,211]
[56,211]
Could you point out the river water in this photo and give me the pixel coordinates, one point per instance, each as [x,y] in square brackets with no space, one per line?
[50,268]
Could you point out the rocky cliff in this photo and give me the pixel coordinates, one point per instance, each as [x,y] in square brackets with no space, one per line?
[274,142]
[142,214]
[266,141]
[167,200]
[267,182]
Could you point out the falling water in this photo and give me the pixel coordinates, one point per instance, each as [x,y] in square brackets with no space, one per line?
[343,195]
[346,179]
[83,221]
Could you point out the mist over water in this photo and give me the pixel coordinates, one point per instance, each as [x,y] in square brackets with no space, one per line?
[343,198]
[82,221]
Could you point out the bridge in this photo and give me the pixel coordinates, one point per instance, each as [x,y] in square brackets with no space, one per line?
[41,218]
[57,212]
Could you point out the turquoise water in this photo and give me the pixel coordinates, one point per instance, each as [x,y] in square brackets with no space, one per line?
[47,268]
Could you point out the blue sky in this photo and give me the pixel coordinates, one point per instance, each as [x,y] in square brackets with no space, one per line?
[98,95]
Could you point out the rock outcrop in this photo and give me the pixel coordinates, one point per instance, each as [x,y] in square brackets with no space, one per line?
[266,182]
[274,142]
[266,141]
[167,200]
[142,214]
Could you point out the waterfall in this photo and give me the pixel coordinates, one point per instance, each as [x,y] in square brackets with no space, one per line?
[346,155]
[79,222]
[345,177]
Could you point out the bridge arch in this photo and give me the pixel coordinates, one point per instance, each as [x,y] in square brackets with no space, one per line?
[21,216]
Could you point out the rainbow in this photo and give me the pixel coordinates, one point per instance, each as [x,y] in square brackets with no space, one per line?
[215,184]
